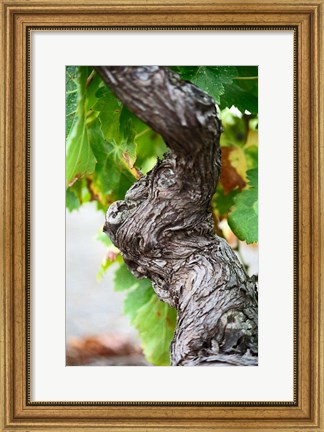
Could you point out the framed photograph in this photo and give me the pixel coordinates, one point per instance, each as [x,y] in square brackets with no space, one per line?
[125,71]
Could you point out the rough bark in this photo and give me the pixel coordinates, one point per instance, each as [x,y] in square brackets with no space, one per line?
[164,227]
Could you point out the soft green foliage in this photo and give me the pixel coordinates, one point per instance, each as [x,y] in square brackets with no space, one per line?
[209,78]
[124,279]
[243,91]
[223,202]
[105,142]
[137,297]
[243,218]
[154,320]
[229,85]
[80,159]
[108,147]
[71,97]
[72,200]
[239,143]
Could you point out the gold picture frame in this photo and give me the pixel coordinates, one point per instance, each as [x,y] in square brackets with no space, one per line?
[306,412]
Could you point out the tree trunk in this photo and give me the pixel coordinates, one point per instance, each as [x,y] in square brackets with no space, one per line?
[164,226]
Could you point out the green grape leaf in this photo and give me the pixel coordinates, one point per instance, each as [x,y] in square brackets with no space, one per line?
[223,202]
[150,148]
[109,109]
[115,146]
[119,127]
[93,84]
[240,97]
[243,91]
[123,279]
[243,218]
[71,99]
[251,154]
[112,177]
[186,72]
[247,71]
[77,194]
[80,160]
[229,85]
[129,127]
[138,297]
[72,200]
[211,79]
[155,322]
[235,129]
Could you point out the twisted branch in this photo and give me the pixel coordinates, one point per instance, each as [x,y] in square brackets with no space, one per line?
[164,226]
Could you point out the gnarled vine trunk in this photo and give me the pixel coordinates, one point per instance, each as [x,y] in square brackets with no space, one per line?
[164,227]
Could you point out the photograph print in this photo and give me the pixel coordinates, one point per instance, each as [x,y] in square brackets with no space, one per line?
[162,215]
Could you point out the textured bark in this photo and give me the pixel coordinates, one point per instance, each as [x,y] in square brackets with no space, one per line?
[164,227]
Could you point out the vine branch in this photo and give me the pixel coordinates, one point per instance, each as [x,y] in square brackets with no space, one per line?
[164,226]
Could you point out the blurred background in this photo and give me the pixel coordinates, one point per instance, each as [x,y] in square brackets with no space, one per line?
[97,332]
